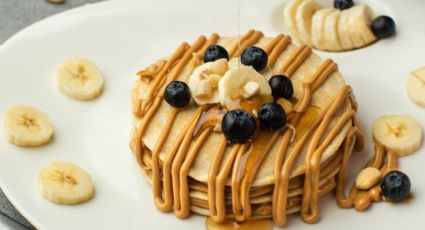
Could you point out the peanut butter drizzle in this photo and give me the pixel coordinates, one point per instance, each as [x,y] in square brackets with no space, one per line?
[362,199]
[171,173]
[311,182]
[247,158]
[165,203]
[324,71]
[248,42]
[309,207]
[143,124]
[280,47]
[153,70]
[234,49]
[247,163]
[272,44]
[218,214]
[140,105]
[295,60]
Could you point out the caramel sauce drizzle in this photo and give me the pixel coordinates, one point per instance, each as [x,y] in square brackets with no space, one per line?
[170,186]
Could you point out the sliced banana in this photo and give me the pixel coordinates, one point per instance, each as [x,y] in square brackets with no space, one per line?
[318,28]
[65,183]
[330,32]
[204,80]
[289,12]
[303,16]
[240,84]
[401,133]
[415,86]
[27,126]
[79,78]
[342,31]
[358,25]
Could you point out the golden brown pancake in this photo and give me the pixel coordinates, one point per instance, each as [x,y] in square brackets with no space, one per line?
[181,162]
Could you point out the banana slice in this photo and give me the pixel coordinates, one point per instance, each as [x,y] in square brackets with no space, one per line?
[65,183]
[342,30]
[241,84]
[80,79]
[415,86]
[401,133]
[331,34]
[318,28]
[204,80]
[289,12]
[303,18]
[358,25]
[27,126]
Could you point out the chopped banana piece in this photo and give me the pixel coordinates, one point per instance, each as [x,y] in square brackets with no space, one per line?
[251,89]
[204,90]
[219,66]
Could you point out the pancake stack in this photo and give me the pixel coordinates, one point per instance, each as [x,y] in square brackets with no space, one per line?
[193,168]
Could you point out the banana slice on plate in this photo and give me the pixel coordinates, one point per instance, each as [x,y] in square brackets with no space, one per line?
[318,28]
[342,30]
[415,86]
[358,25]
[289,12]
[241,84]
[303,18]
[79,78]
[65,183]
[27,126]
[331,32]
[401,133]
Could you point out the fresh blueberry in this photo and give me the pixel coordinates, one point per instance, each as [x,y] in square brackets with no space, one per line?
[215,52]
[272,117]
[395,186]
[281,87]
[255,57]
[177,94]
[383,26]
[343,4]
[238,126]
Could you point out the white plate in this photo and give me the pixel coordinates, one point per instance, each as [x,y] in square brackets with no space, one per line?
[124,36]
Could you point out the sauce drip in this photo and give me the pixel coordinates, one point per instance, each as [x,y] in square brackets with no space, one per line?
[263,224]
[253,105]
[209,118]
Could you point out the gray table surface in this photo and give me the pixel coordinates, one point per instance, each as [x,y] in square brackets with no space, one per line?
[15,15]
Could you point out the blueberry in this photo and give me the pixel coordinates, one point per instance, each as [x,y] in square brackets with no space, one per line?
[343,4]
[383,26]
[177,94]
[272,117]
[215,52]
[281,87]
[395,186]
[238,126]
[255,57]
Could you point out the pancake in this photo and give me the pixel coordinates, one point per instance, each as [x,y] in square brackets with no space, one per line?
[196,169]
